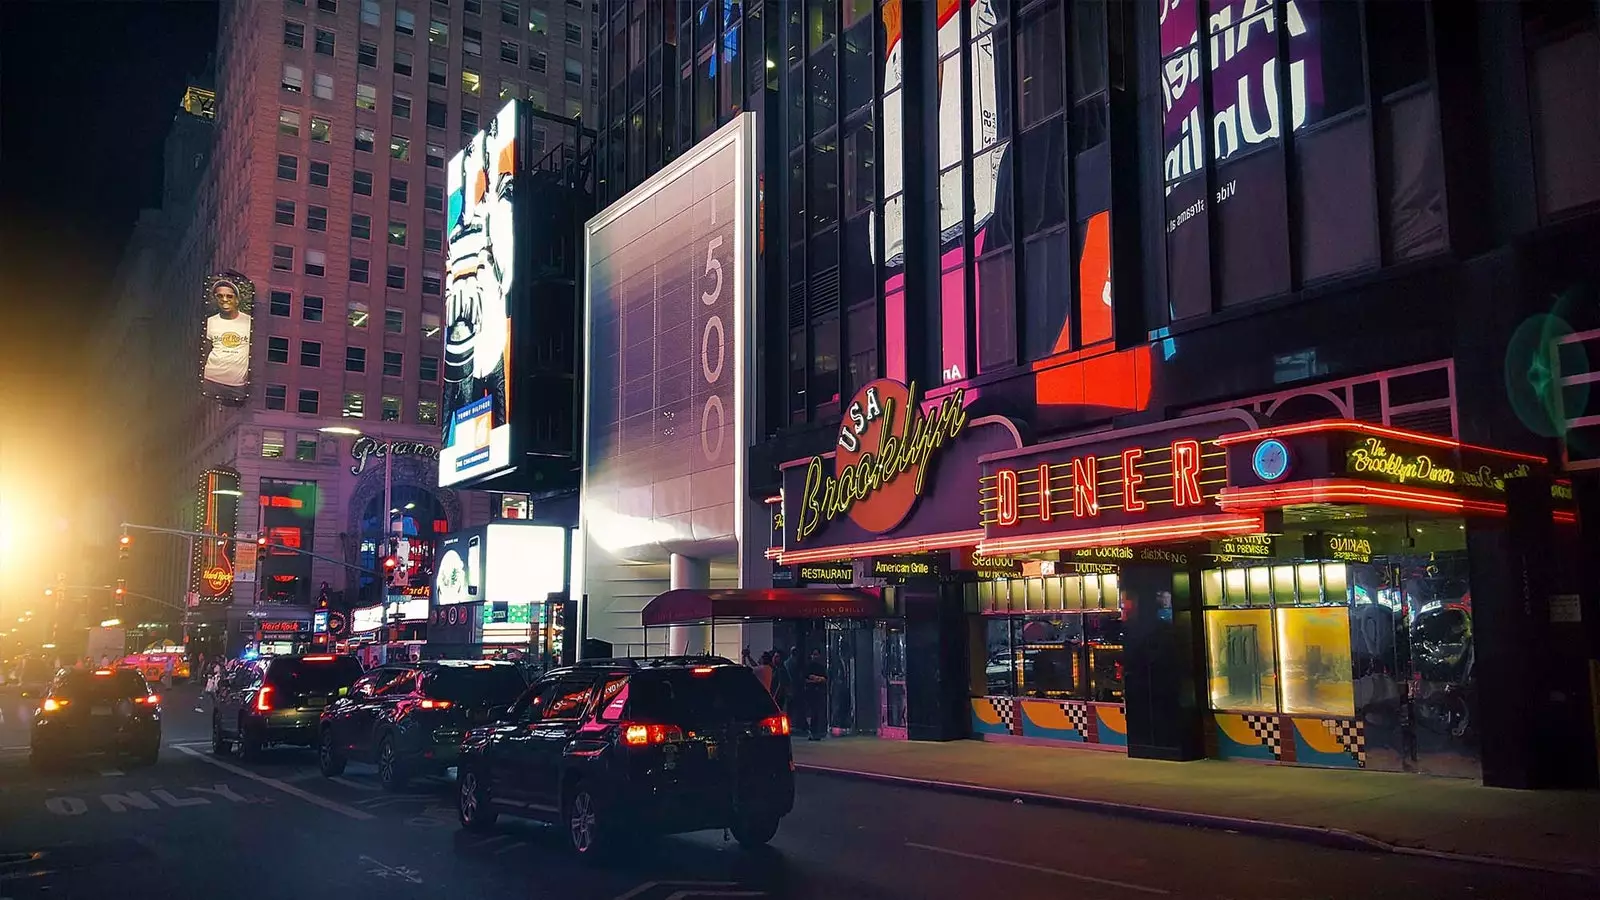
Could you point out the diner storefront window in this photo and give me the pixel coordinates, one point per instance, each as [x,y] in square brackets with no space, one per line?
[1057,638]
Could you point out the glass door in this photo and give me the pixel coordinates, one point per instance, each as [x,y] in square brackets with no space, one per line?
[889,649]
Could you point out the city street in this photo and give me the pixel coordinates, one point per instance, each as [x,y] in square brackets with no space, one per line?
[193,823]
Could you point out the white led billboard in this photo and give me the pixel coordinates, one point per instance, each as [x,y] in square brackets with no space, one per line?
[523,563]
[667,331]
[479,248]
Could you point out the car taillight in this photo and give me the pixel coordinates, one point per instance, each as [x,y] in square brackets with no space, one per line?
[54,704]
[436,704]
[264,698]
[149,700]
[317,658]
[775,725]
[650,735]
[702,670]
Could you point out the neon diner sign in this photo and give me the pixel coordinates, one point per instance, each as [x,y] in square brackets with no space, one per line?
[1178,476]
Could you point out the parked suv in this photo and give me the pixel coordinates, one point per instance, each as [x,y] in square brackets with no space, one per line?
[278,701]
[409,719]
[659,746]
[99,711]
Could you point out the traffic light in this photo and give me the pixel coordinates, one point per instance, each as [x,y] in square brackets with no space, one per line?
[390,566]
[261,542]
[123,544]
[120,592]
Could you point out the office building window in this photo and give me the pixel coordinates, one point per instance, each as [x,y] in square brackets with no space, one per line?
[574,33]
[393,361]
[433,239]
[277,349]
[437,113]
[574,72]
[399,190]
[324,42]
[355,358]
[311,308]
[309,401]
[405,22]
[288,167]
[437,72]
[367,54]
[427,412]
[394,321]
[538,99]
[360,270]
[294,34]
[357,315]
[361,183]
[311,354]
[435,156]
[475,7]
[271,438]
[391,408]
[574,108]
[509,90]
[305,447]
[401,107]
[366,96]
[471,42]
[400,148]
[361,226]
[538,61]
[428,368]
[510,52]
[469,123]
[355,405]
[289,122]
[283,212]
[316,263]
[402,63]
[371,14]
[317,175]
[430,325]
[432,283]
[328,6]
[538,21]
[316,218]
[321,129]
[395,278]
[277,398]
[433,197]
[282,258]
[279,304]
[510,13]
[322,86]
[293,78]
[397,233]
[471,83]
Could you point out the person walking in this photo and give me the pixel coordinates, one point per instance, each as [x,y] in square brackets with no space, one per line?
[782,685]
[816,695]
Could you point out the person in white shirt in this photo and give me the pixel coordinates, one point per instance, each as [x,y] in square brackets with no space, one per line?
[228,339]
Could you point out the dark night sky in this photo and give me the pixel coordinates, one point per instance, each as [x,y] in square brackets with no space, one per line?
[87,93]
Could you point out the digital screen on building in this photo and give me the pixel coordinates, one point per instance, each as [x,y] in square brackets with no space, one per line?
[216,512]
[479,251]
[668,290]
[225,339]
[459,578]
[288,519]
[366,618]
[523,563]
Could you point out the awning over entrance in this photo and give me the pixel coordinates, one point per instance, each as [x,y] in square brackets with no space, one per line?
[684,606]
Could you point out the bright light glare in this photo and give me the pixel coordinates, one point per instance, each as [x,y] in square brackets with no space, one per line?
[110,623]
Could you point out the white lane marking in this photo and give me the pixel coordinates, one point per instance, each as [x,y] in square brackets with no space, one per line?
[299,777]
[1042,869]
[387,871]
[353,784]
[111,773]
[275,784]
[649,886]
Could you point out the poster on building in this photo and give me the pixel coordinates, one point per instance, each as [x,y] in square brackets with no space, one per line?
[225,340]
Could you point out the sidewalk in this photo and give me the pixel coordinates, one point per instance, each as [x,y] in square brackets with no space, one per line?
[1404,813]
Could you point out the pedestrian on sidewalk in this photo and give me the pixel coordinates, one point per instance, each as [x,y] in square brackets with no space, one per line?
[763,670]
[816,695]
[782,685]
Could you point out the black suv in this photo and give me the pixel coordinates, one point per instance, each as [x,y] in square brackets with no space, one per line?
[278,701]
[659,746]
[99,711]
[409,718]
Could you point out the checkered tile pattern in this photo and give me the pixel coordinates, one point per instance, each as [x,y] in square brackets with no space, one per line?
[1351,735]
[1079,713]
[1006,709]
[1267,731]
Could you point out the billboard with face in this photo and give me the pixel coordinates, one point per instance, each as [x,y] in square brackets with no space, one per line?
[478,261]
[667,331]
[225,345]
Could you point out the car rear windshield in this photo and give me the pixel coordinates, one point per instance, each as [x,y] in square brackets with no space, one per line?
[680,696]
[86,686]
[309,676]
[494,685]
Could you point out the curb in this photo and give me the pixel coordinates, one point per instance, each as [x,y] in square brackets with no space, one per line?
[1335,838]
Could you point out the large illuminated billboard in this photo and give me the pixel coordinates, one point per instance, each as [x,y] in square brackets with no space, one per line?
[212,574]
[667,332]
[479,250]
[225,343]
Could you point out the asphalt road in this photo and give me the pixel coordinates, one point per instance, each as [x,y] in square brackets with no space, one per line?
[192,826]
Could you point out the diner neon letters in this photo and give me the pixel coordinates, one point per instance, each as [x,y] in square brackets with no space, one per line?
[899,451]
[1185,465]
[1371,457]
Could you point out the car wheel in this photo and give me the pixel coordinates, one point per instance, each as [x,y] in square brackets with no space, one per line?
[329,759]
[472,803]
[220,746]
[755,830]
[391,774]
[584,823]
[250,744]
